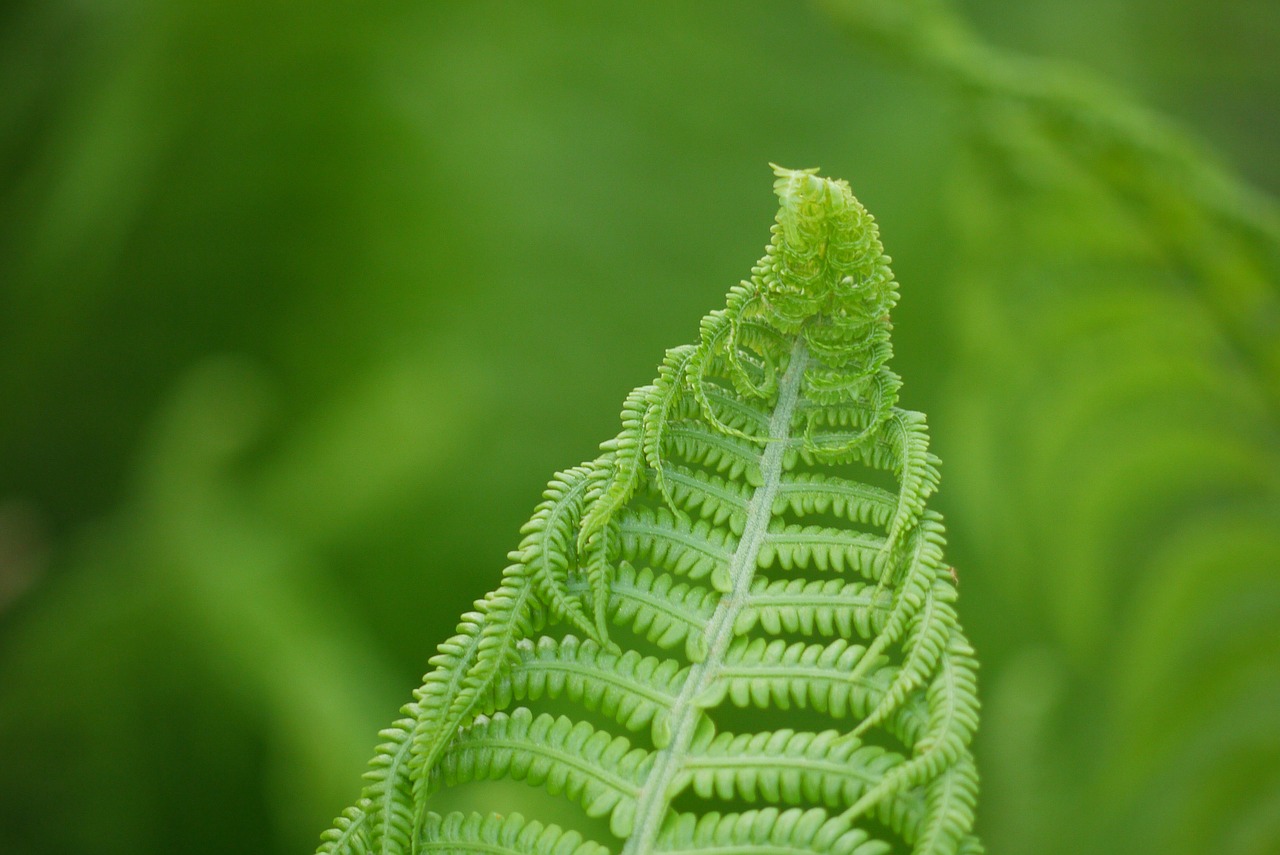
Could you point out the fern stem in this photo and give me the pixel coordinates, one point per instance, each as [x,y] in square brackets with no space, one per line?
[653,799]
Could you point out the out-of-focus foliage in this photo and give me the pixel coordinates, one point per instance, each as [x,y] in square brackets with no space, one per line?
[299,303]
[1119,393]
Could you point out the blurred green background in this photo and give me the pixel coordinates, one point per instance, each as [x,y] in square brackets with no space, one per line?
[302,303]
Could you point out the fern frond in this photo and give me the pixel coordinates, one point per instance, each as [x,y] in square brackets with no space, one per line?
[829,607]
[726,455]
[769,832]
[634,690]
[695,549]
[498,835]
[801,547]
[949,804]
[802,493]
[662,401]
[952,719]
[925,642]
[785,767]
[599,563]
[664,610]
[627,465]
[722,501]
[548,548]
[349,832]
[699,531]
[389,791]
[823,677]
[466,666]
[602,773]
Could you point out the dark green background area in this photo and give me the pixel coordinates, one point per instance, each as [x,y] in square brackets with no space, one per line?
[301,304]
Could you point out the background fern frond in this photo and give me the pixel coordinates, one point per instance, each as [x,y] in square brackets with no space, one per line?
[1120,292]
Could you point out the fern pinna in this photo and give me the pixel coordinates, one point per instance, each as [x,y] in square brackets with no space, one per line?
[756,538]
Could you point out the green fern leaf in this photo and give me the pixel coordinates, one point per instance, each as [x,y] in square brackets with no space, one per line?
[603,773]
[492,834]
[734,548]
[789,832]
[667,612]
[634,690]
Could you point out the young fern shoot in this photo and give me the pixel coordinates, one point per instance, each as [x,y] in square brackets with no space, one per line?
[756,537]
